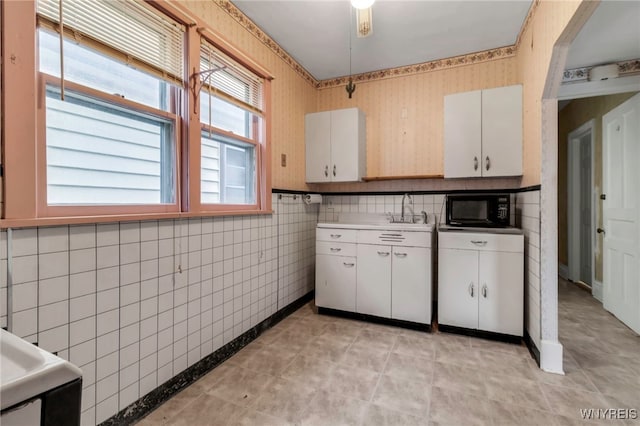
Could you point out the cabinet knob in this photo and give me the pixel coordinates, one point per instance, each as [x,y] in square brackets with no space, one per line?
[484,291]
[471,289]
[475,163]
[326,171]
[487,163]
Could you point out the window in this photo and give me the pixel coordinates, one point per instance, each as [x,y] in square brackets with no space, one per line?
[100,126]
[112,139]
[231,103]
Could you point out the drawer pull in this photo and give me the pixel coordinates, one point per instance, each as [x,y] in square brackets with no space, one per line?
[335,250]
[479,243]
[401,254]
[349,265]
[383,253]
[471,289]
[336,235]
[392,235]
[484,291]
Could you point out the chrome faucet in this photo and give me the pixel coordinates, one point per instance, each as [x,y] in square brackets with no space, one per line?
[409,204]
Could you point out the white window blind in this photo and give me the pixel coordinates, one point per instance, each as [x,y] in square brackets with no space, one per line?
[230,80]
[132,30]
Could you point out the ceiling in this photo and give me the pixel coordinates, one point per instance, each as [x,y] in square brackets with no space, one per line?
[612,34]
[316,33]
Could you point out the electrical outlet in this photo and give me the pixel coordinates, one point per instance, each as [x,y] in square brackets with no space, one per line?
[283,160]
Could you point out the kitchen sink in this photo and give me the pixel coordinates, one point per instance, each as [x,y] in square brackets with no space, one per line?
[29,371]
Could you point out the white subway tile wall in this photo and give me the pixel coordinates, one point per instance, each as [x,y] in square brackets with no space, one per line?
[333,205]
[528,219]
[134,304]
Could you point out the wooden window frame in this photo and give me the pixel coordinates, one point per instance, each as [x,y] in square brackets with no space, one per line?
[44,209]
[24,89]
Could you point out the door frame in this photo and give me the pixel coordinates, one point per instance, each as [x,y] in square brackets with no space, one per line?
[573,210]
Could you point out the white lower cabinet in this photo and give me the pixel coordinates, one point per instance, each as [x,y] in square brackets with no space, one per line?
[501,294]
[391,277]
[481,288]
[336,282]
[373,282]
[411,284]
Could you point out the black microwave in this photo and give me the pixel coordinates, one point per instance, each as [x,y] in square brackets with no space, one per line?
[480,210]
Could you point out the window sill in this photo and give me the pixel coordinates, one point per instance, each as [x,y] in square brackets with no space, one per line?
[51,221]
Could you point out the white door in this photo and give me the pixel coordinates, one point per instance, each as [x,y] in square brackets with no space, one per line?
[373,288]
[502,131]
[344,145]
[317,135]
[621,186]
[501,292]
[458,288]
[411,284]
[336,282]
[462,135]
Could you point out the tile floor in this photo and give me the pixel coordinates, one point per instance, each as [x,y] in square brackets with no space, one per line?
[319,370]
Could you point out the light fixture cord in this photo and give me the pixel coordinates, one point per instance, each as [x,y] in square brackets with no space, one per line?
[350,21]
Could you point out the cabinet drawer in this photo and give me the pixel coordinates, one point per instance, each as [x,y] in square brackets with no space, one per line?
[337,249]
[481,241]
[336,234]
[395,238]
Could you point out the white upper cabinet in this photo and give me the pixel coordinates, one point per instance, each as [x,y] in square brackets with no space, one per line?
[463,134]
[502,131]
[335,146]
[318,139]
[483,133]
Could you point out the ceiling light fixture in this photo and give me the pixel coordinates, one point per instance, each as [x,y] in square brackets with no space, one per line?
[364,22]
[362,4]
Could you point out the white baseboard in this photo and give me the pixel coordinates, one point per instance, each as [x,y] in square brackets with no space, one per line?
[563,271]
[551,356]
[596,290]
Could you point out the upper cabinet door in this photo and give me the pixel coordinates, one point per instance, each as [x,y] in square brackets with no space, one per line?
[347,139]
[502,131]
[317,134]
[462,135]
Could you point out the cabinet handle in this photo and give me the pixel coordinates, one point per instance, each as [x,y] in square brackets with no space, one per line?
[348,265]
[479,243]
[484,291]
[335,250]
[334,170]
[336,235]
[487,163]
[326,171]
[401,254]
[471,289]
[383,253]
[475,163]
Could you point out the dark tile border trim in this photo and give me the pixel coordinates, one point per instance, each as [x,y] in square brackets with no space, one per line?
[482,334]
[155,398]
[533,349]
[378,320]
[455,191]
